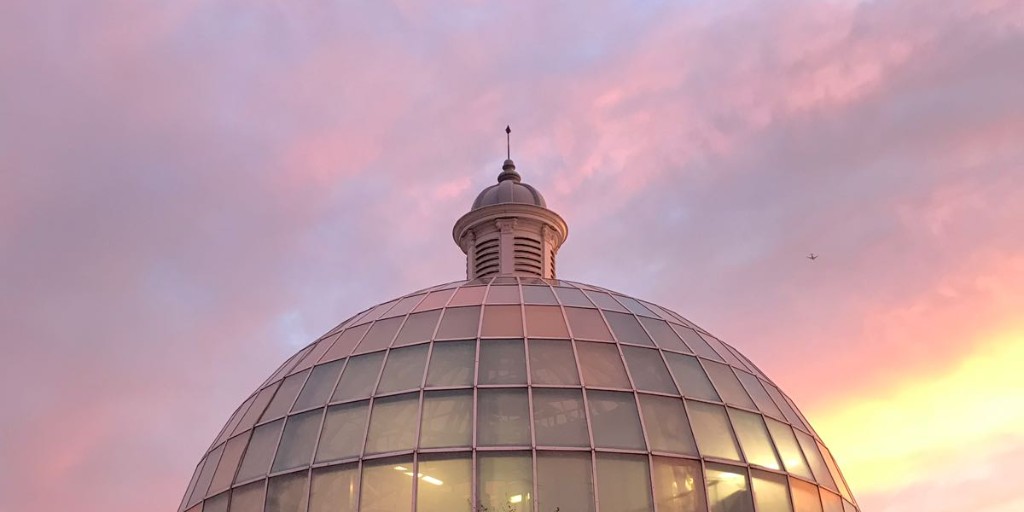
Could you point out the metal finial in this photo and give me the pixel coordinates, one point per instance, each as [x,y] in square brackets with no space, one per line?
[508,142]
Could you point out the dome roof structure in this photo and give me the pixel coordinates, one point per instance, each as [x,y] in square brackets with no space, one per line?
[514,391]
[509,189]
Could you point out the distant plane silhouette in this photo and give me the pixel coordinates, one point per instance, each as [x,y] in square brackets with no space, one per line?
[812,256]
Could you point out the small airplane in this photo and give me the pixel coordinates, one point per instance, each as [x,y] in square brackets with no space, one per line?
[812,256]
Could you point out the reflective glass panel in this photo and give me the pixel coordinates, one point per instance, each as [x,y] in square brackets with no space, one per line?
[452,364]
[403,306]
[667,427]
[445,483]
[663,335]
[695,342]
[505,481]
[810,449]
[538,295]
[727,489]
[770,492]
[634,306]
[387,485]
[789,450]
[349,339]
[690,376]
[787,411]
[502,362]
[712,432]
[627,329]
[334,489]
[760,396]
[260,452]
[468,296]
[381,333]
[753,436]
[503,295]
[319,386]
[503,417]
[393,424]
[572,297]
[727,384]
[605,301]
[545,322]
[552,363]
[248,498]
[830,502]
[343,432]
[203,484]
[359,377]
[285,397]
[300,432]
[678,485]
[601,365]
[587,324]
[565,482]
[418,327]
[435,300]
[459,323]
[648,370]
[225,474]
[623,483]
[832,468]
[502,321]
[287,493]
[805,496]
[403,369]
[614,420]
[559,418]
[217,503]
[447,419]
[256,408]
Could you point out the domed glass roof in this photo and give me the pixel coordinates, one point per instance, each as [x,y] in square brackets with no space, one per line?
[515,394]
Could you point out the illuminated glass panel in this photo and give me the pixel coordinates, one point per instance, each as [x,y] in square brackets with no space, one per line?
[771,492]
[648,370]
[760,396]
[559,418]
[403,369]
[502,322]
[830,502]
[393,424]
[503,417]
[805,496]
[260,452]
[343,432]
[711,430]
[614,420]
[832,468]
[690,376]
[552,363]
[727,489]
[504,481]
[623,482]
[452,364]
[789,450]
[678,485]
[502,362]
[359,377]
[587,324]
[447,419]
[565,482]
[445,483]
[545,322]
[387,485]
[753,436]
[810,449]
[667,427]
[727,384]
[601,365]
[300,432]
[334,489]
[288,493]
[319,386]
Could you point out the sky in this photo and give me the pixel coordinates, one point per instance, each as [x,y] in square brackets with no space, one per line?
[190,191]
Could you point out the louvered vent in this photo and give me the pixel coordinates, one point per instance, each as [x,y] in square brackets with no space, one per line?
[486,260]
[529,256]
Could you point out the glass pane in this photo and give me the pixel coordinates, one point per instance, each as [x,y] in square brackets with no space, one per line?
[203,484]
[348,340]
[760,396]
[559,418]
[248,498]
[810,449]
[445,484]
[727,384]
[319,386]
[505,482]
[459,323]
[667,427]
[614,420]
[387,485]
[381,333]
[690,376]
[256,409]
[572,297]
[403,369]
[220,503]
[787,411]
[634,306]
[260,452]
[627,329]
[300,433]
[565,482]
[225,474]
[435,300]
[792,458]
[502,321]
[623,483]
[447,419]
[837,477]
[663,335]
[503,417]
[334,489]
[285,397]
[359,377]
[502,362]
[712,432]
[830,502]
[753,436]
[727,489]
[695,342]
[552,363]
[418,327]
[601,365]
[393,424]
[287,493]
[648,370]
[343,432]
[722,350]
[538,295]
[805,496]
[468,296]
[403,307]
[545,322]
[451,364]
[587,324]
[605,301]
[678,485]
[503,295]
[770,492]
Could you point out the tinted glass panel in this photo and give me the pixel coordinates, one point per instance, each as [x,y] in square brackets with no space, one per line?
[565,482]
[695,342]
[256,409]
[403,369]
[403,307]
[601,365]
[248,498]
[300,432]
[690,376]
[348,341]
[503,295]
[559,418]
[502,321]
[343,432]
[832,468]
[387,485]
[319,386]
[648,370]
[381,333]
[678,485]
[217,503]
[445,484]
[663,335]
[260,452]
[392,424]
[587,324]
[287,493]
[285,396]
[470,296]
[712,432]
[447,419]
[334,489]
[573,297]
[727,384]
[459,323]
[830,502]
[435,300]
[789,450]
[667,427]
[634,306]
[505,481]
[359,377]
[770,492]
[206,476]
[605,301]
[502,362]
[418,327]
[232,455]
[538,295]
[545,322]
[810,449]
[552,363]
[503,417]
[452,364]
[805,496]
[753,436]
[627,329]
[760,396]
[623,483]
[614,420]
[727,489]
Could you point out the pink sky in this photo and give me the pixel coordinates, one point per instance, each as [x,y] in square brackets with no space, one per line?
[191,190]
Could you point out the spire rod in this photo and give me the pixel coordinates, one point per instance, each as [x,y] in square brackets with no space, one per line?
[508,141]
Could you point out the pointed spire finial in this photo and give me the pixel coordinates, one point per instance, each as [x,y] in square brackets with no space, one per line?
[508,169]
[508,141]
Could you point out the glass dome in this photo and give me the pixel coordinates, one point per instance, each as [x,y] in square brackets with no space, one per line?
[515,394]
